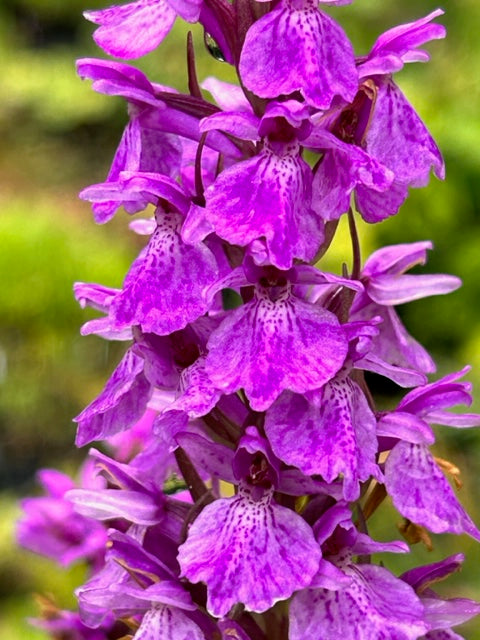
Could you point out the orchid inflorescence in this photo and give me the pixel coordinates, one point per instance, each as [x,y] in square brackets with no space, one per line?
[243,451]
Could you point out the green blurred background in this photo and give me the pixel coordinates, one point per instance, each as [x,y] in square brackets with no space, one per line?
[58,136]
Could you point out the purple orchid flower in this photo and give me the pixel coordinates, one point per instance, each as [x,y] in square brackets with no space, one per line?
[248,548]
[268,196]
[50,526]
[416,483]
[386,286]
[276,341]
[441,614]
[355,601]
[382,123]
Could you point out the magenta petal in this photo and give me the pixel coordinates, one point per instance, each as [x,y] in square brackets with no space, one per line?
[396,259]
[167,623]
[198,396]
[375,207]
[252,552]
[213,458]
[376,606]
[405,426]
[268,196]
[398,138]
[400,44]
[402,376]
[398,289]
[106,504]
[430,401]
[157,293]
[443,614]
[267,346]
[394,345]
[229,97]
[332,435]
[241,124]
[320,67]
[134,29]
[120,404]
[421,492]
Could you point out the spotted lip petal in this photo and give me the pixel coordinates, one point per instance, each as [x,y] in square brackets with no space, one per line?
[268,196]
[375,605]
[333,435]
[321,66]
[254,552]
[267,346]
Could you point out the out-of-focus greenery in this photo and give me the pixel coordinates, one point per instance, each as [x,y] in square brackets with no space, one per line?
[58,136]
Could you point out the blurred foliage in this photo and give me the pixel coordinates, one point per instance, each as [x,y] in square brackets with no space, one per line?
[58,136]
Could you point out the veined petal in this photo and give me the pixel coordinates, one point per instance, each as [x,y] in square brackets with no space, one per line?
[252,552]
[267,346]
[268,196]
[134,29]
[157,293]
[375,606]
[421,492]
[393,290]
[163,622]
[120,404]
[398,138]
[330,434]
[298,48]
